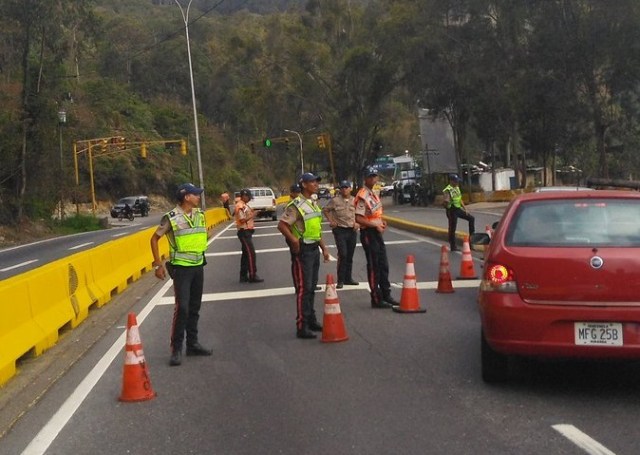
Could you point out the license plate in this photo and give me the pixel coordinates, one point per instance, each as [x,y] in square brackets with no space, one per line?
[598,333]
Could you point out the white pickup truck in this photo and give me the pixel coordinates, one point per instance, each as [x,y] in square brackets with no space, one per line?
[263,202]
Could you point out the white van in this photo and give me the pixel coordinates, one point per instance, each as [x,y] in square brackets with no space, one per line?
[263,202]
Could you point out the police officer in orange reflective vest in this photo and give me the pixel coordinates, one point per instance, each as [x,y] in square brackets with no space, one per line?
[372,226]
[301,226]
[244,223]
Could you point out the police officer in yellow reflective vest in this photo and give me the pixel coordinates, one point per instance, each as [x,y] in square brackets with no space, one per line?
[456,209]
[186,232]
[372,226]
[301,225]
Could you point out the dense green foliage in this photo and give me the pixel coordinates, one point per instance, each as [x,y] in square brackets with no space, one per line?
[551,82]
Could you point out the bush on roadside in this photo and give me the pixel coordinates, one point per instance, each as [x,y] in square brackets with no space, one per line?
[77,223]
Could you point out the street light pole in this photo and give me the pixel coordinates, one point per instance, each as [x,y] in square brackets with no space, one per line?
[185,17]
[62,119]
[301,154]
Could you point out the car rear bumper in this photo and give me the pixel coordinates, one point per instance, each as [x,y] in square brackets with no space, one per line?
[514,327]
[264,212]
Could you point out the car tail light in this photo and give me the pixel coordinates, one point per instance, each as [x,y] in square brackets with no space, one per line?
[498,278]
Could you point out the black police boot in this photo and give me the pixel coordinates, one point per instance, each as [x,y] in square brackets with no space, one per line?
[305,333]
[390,300]
[244,279]
[314,326]
[381,304]
[340,285]
[198,349]
[176,357]
[351,282]
[255,279]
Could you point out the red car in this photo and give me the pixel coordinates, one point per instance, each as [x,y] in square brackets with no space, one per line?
[561,278]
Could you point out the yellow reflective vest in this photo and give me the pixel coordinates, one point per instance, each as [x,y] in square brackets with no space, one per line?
[190,241]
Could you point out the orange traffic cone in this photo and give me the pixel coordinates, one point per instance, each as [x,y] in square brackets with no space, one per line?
[467,271]
[332,323]
[136,383]
[409,299]
[488,231]
[444,278]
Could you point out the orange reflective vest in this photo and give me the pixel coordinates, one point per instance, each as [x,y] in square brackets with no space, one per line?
[242,211]
[373,212]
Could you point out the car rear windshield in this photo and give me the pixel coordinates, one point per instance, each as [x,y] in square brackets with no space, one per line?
[258,192]
[576,222]
[127,200]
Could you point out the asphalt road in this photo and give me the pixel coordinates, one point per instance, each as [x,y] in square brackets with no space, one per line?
[401,384]
[19,259]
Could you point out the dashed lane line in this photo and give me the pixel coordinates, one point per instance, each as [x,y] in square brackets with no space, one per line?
[81,245]
[582,440]
[16,266]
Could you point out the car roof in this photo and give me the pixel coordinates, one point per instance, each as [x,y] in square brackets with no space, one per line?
[595,194]
[562,188]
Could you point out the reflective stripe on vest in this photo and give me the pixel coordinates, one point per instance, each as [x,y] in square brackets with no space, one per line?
[312,218]
[456,196]
[191,242]
[373,203]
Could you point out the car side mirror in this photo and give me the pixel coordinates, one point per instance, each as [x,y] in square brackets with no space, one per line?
[494,226]
[479,238]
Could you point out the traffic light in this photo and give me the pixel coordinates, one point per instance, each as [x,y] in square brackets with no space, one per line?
[103,146]
[267,143]
[117,143]
[122,143]
[321,142]
[143,150]
[183,147]
[286,144]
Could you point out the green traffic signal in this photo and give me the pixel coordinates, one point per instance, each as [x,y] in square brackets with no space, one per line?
[267,143]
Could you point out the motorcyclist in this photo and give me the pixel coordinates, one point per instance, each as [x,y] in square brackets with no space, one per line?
[127,211]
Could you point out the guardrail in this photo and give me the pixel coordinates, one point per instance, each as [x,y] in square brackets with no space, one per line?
[39,305]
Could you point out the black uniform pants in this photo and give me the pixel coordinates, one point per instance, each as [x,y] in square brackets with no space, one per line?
[453,214]
[377,264]
[346,243]
[305,269]
[248,266]
[187,287]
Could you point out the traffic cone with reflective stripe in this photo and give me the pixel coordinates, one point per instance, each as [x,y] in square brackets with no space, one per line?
[444,278]
[332,323]
[136,383]
[409,301]
[467,271]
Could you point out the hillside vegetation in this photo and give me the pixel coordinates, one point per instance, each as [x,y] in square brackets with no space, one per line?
[553,82]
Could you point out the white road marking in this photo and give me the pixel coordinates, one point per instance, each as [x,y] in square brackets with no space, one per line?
[278,250]
[582,440]
[81,245]
[256,293]
[235,237]
[22,264]
[120,234]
